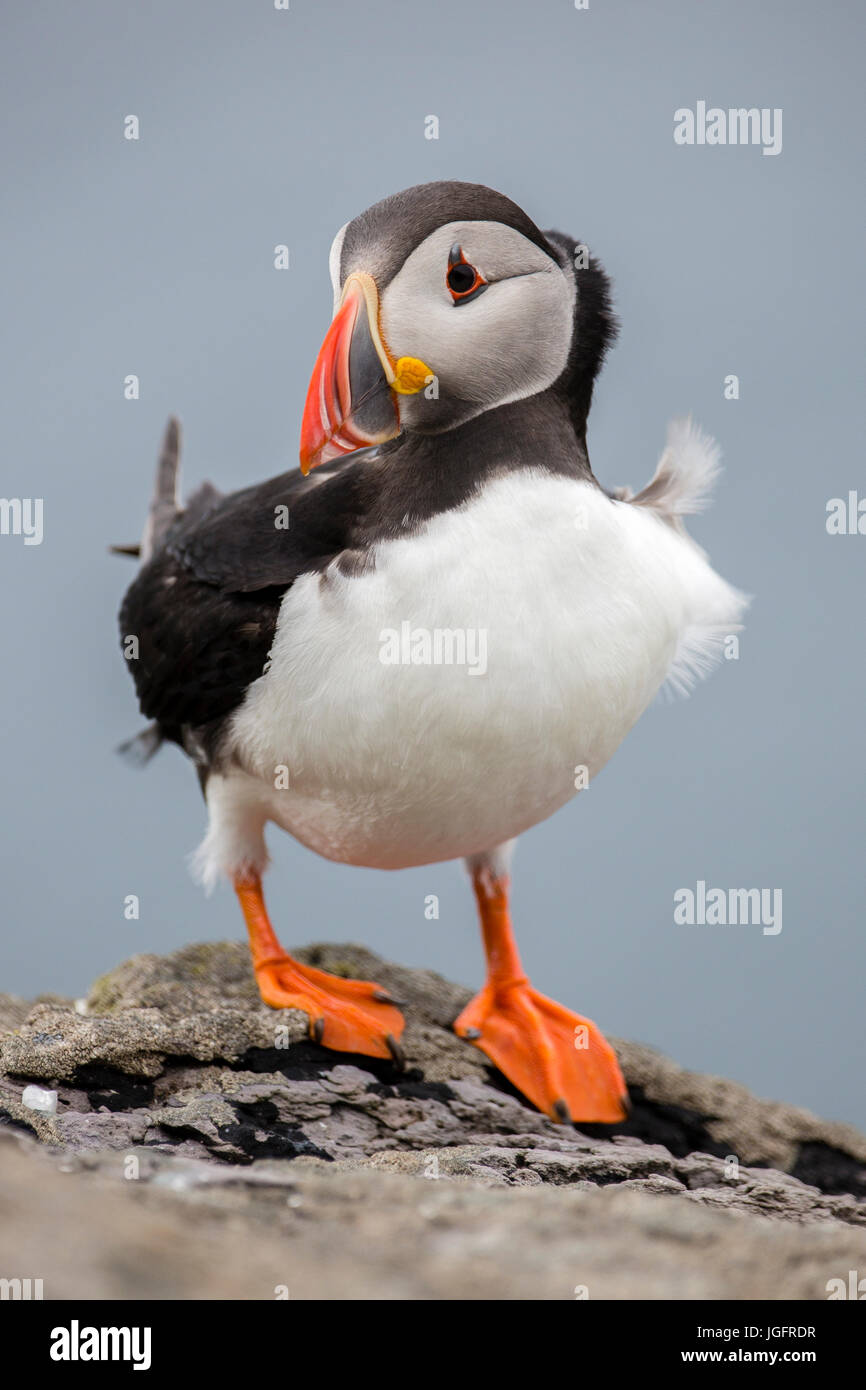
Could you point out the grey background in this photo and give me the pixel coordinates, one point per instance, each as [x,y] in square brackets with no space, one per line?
[259,127]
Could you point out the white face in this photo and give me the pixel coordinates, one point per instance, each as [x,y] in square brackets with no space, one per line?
[505,343]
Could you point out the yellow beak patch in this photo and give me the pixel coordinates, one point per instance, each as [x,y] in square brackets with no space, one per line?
[411,375]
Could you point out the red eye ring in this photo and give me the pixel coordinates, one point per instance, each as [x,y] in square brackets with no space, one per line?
[463,280]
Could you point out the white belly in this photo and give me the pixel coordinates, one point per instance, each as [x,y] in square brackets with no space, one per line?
[575,605]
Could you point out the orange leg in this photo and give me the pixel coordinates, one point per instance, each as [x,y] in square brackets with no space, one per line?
[347,1015]
[559,1060]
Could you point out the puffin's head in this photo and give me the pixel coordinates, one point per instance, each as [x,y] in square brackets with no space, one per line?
[448,302]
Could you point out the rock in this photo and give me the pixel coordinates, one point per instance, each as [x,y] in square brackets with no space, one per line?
[379,1229]
[178,1079]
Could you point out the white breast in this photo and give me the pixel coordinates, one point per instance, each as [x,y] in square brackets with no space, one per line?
[577,604]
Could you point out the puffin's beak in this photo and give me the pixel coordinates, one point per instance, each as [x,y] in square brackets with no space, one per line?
[352,397]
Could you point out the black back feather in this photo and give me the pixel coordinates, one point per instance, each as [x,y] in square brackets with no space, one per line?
[595,328]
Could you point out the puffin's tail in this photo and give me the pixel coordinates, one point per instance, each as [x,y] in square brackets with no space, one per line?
[685,474]
[164,510]
[681,486]
[165,504]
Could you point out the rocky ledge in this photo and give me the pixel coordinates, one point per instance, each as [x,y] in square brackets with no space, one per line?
[187,1141]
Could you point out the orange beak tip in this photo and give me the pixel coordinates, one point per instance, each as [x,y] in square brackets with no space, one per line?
[349,405]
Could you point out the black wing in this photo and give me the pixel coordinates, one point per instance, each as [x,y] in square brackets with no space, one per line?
[204,609]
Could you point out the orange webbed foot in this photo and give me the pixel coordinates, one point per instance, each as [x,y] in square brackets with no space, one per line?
[346,1015]
[558,1059]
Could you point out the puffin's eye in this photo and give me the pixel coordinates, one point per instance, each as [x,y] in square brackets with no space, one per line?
[463,280]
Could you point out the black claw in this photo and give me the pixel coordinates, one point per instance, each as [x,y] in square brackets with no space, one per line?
[396,1051]
[470,1034]
[562,1112]
[318,1029]
[382,998]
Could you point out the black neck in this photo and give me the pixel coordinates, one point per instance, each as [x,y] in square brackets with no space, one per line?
[418,475]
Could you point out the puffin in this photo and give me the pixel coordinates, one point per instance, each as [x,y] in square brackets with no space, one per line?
[435,631]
